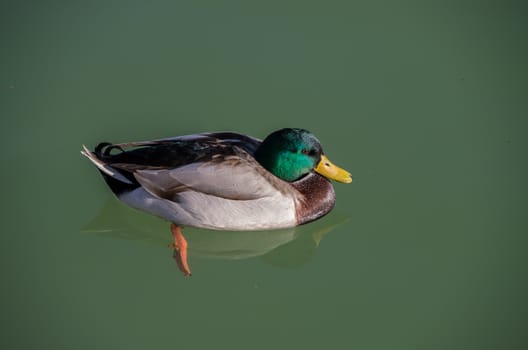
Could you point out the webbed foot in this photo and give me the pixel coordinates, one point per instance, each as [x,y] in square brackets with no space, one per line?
[180,250]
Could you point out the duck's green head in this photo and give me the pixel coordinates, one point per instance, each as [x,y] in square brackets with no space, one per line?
[292,153]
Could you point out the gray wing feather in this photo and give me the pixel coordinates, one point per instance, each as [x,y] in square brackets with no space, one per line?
[237,178]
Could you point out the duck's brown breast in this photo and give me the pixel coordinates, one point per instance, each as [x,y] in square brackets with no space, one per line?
[318,198]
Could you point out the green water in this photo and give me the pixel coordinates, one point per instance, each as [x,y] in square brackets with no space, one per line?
[424,102]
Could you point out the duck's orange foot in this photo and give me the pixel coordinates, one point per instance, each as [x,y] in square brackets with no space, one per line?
[180,250]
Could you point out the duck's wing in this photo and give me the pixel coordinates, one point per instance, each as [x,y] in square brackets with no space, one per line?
[218,164]
[196,142]
[236,177]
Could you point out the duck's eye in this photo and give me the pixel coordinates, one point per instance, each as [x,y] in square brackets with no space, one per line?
[311,152]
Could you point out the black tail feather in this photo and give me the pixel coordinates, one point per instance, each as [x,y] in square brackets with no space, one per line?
[120,187]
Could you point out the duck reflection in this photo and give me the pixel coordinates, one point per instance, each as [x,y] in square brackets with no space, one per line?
[282,248]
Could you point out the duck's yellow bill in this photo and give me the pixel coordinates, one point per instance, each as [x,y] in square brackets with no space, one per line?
[331,171]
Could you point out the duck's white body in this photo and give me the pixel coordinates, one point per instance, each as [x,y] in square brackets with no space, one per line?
[197,209]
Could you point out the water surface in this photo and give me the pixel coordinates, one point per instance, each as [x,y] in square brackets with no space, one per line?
[424,103]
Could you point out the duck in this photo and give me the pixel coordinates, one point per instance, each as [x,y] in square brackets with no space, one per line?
[222,180]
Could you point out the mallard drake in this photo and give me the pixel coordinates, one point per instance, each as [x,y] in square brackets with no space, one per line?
[222,180]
